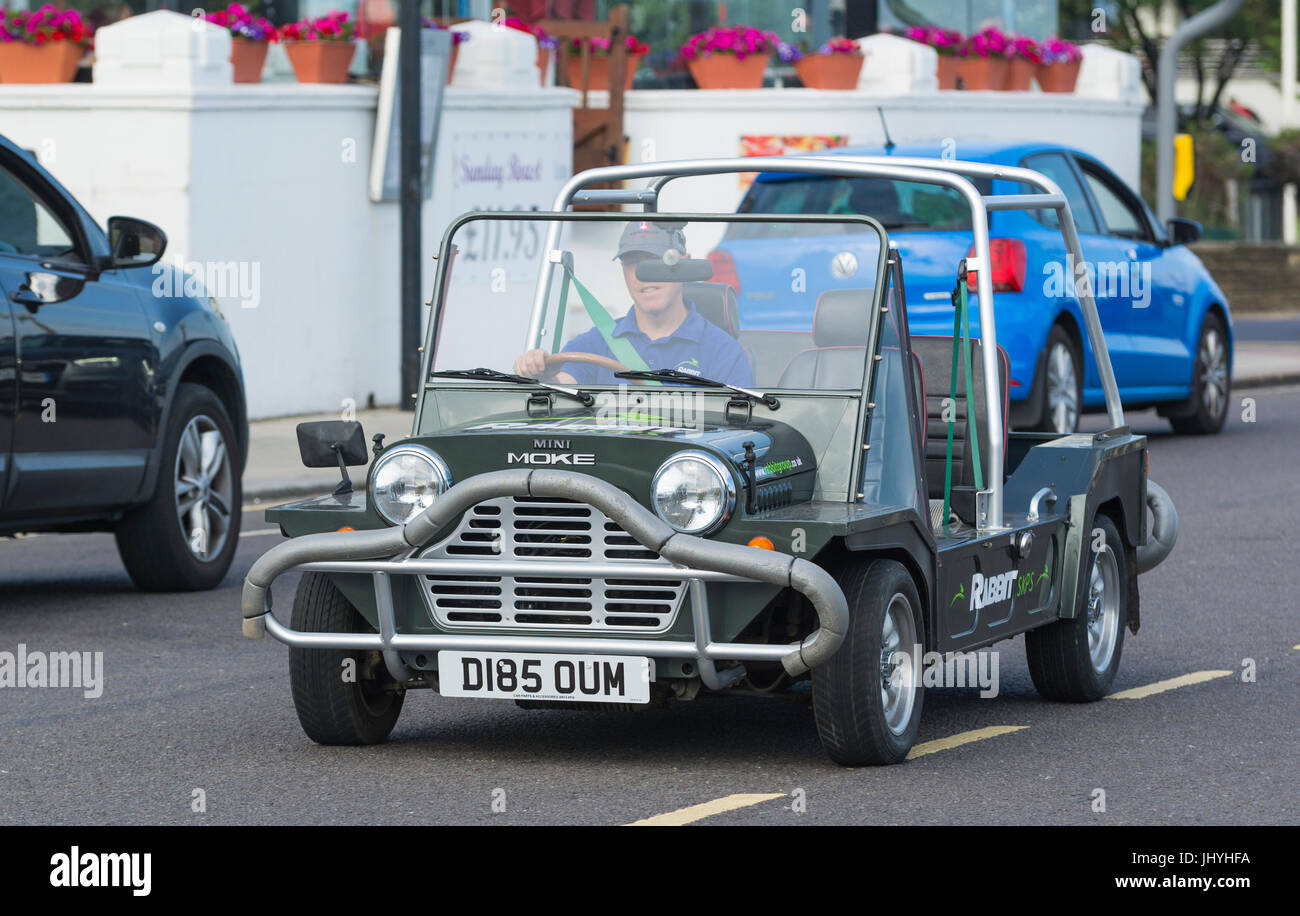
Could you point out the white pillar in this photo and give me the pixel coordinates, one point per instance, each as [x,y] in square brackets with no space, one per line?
[1288,64]
[1288,214]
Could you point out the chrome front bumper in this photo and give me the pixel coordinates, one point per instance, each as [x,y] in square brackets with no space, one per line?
[387,552]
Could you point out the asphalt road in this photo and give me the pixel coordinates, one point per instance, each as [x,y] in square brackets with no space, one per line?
[1267,327]
[189,704]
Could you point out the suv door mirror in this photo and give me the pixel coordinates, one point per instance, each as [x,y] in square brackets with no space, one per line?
[134,242]
[1183,231]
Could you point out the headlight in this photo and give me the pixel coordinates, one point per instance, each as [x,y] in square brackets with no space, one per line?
[406,481]
[694,492]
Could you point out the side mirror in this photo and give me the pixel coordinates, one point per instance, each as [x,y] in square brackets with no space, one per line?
[134,242]
[1183,231]
[326,443]
[686,270]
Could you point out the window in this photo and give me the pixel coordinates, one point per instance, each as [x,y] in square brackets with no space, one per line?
[1056,167]
[1116,212]
[27,226]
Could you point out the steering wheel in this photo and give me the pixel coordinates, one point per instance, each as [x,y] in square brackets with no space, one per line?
[553,361]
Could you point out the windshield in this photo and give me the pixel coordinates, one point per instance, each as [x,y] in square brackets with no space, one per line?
[652,292]
[898,205]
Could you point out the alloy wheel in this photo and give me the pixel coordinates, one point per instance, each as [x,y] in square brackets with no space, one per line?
[1214,372]
[1062,389]
[1103,607]
[898,676]
[203,487]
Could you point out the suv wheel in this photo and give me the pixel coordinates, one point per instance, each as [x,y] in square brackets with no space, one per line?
[185,537]
[1075,659]
[343,696]
[867,699]
[1210,382]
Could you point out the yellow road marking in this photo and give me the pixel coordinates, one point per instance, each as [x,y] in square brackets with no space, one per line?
[732,802]
[957,740]
[1297,648]
[707,809]
[1173,683]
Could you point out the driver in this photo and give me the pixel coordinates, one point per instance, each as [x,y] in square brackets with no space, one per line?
[663,326]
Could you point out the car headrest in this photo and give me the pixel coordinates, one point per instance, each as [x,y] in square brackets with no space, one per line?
[840,319]
[716,303]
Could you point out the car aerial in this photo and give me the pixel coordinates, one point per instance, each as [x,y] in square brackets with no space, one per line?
[842,505]
[121,395]
[1167,322]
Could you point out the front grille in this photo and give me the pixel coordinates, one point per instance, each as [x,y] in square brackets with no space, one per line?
[548,530]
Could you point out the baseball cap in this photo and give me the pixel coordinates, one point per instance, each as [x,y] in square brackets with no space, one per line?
[651,238]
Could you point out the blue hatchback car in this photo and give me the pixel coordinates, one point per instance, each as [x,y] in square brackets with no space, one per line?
[1166,321]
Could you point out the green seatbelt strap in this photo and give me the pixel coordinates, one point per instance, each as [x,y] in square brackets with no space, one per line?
[621,347]
[564,307]
[970,392]
[961,350]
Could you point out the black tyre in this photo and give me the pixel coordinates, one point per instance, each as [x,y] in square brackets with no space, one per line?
[867,699]
[184,538]
[1075,659]
[1062,384]
[339,702]
[1210,382]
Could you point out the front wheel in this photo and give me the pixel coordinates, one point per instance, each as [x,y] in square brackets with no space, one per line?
[1210,382]
[342,696]
[1075,659]
[184,538]
[867,699]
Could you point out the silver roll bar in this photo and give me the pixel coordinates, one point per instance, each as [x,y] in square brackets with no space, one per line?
[949,173]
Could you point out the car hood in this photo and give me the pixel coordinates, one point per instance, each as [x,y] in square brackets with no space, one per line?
[626,449]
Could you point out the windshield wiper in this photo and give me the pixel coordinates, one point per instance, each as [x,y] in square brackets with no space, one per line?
[674,375]
[492,375]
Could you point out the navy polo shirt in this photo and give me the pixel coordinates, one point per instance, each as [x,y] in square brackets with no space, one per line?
[698,346]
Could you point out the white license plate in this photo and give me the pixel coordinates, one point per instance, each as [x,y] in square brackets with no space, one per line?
[534,676]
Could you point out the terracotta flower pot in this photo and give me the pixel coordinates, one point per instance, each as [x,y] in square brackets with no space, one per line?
[451,62]
[543,63]
[248,58]
[1059,77]
[52,62]
[1020,73]
[829,71]
[726,71]
[978,73]
[320,61]
[598,71]
[948,69]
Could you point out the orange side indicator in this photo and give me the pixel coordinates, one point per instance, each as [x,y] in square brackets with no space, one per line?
[346,528]
[762,542]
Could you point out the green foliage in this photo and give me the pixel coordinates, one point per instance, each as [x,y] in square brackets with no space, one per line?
[1129,27]
[1217,162]
[1285,167]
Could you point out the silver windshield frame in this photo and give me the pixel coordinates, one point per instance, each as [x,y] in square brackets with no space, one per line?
[950,173]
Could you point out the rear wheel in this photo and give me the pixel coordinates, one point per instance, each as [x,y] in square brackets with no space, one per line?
[867,699]
[343,696]
[1210,382]
[1075,659]
[1062,384]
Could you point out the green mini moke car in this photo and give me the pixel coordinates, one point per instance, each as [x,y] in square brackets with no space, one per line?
[621,489]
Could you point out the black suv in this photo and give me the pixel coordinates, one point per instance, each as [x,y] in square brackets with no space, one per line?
[121,396]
